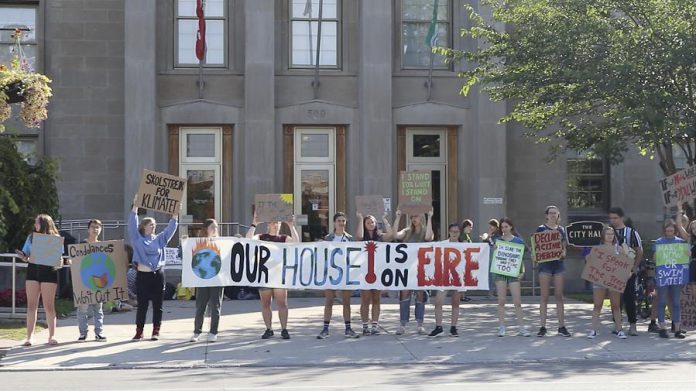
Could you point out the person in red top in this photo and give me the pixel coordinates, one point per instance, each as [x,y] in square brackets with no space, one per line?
[278,294]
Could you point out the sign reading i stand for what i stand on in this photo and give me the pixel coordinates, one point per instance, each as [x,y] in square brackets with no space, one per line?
[415,192]
[160,192]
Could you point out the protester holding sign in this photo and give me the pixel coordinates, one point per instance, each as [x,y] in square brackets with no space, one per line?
[552,270]
[670,258]
[94,228]
[453,231]
[415,233]
[369,232]
[208,297]
[630,239]
[489,237]
[688,234]
[280,296]
[338,235]
[599,292]
[503,280]
[148,258]
[41,282]
[466,228]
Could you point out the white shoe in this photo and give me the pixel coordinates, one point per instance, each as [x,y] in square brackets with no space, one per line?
[400,330]
[212,337]
[421,330]
[501,331]
[523,332]
[621,335]
[195,337]
[592,334]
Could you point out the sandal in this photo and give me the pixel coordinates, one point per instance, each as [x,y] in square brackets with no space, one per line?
[52,341]
[27,343]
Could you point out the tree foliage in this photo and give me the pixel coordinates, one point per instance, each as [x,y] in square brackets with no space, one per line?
[591,75]
[25,191]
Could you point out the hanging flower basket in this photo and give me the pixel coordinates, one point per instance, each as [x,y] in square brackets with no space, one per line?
[30,90]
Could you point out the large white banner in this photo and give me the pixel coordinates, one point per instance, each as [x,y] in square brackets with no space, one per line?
[330,265]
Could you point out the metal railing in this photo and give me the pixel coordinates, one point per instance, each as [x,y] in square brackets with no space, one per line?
[13,264]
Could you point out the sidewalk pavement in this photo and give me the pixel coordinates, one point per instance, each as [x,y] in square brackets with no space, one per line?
[241,326]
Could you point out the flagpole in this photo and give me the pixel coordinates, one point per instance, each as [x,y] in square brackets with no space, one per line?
[315,82]
[429,82]
[431,40]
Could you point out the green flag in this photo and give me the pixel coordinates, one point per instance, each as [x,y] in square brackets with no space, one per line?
[431,38]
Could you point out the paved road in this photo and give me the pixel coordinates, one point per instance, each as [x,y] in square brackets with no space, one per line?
[620,376]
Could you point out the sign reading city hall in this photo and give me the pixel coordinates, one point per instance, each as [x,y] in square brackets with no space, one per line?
[331,265]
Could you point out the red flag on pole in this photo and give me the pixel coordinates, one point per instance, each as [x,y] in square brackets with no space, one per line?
[200,37]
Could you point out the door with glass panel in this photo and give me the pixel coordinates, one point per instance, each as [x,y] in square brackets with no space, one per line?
[426,150]
[200,163]
[314,180]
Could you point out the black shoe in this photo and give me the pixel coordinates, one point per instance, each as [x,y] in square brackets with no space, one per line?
[284,333]
[653,328]
[438,330]
[663,333]
[679,334]
[82,338]
[615,332]
[99,338]
[562,331]
[267,334]
[542,332]
[453,331]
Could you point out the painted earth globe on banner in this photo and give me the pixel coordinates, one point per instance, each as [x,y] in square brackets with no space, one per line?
[97,271]
[206,263]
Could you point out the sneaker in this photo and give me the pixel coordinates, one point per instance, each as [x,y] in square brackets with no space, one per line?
[212,337]
[438,330]
[82,338]
[194,337]
[523,332]
[679,334]
[592,334]
[351,334]
[400,330]
[453,331]
[653,328]
[501,331]
[284,334]
[138,335]
[663,333]
[421,330]
[323,334]
[155,334]
[99,338]
[621,335]
[366,331]
[375,331]
[563,332]
[267,334]
[542,332]
[615,332]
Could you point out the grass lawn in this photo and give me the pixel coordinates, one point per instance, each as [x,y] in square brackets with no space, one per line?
[16,331]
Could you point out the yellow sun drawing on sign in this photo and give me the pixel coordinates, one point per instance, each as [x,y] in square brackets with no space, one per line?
[286,198]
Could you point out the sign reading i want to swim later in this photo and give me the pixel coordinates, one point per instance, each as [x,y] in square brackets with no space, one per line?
[160,192]
[672,260]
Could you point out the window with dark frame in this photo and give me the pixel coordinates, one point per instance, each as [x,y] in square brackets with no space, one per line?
[304,27]
[186,29]
[587,183]
[416,17]
[18,16]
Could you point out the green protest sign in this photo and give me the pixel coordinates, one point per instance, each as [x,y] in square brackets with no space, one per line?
[672,253]
[507,258]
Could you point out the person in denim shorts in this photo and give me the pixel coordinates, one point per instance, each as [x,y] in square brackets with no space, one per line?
[552,270]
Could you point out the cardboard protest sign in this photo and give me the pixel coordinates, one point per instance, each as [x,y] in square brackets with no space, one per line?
[672,261]
[98,272]
[370,205]
[46,250]
[332,265]
[688,307]
[607,268]
[273,207]
[507,258]
[547,246]
[160,192]
[585,233]
[172,256]
[415,192]
[679,188]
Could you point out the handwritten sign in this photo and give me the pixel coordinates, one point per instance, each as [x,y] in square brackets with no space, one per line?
[679,188]
[370,205]
[172,256]
[273,207]
[585,233]
[607,268]
[46,250]
[160,192]
[672,261]
[415,192]
[98,272]
[688,307]
[547,246]
[507,258]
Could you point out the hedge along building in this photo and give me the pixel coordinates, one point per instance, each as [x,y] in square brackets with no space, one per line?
[126,98]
